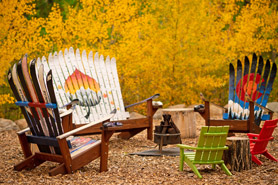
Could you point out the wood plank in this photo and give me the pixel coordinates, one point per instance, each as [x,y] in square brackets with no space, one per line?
[85,157]
[24,144]
[65,154]
[61,169]
[127,125]
[49,157]
[235,125]
[43,140]
[130,133]
[28,163]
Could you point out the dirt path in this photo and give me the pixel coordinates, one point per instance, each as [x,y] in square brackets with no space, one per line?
[132,169]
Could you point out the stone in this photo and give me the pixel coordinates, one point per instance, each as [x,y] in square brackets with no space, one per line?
[21,123]
[272,106]
[6,124]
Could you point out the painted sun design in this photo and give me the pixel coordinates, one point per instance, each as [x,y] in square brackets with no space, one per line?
[250,87]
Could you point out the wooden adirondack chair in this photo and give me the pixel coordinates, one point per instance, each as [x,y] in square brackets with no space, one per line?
[95,83]
[50,130]
[258,142]
[208,151]
[248,95]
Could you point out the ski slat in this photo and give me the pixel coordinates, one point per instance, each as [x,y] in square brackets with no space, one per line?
[93,86]
[70,87]
[231,91]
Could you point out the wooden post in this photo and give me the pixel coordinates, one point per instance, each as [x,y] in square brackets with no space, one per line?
[150,113]
[207,113]
[238,156]
[105,136]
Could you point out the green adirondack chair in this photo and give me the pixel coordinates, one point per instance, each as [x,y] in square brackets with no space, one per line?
[209,150]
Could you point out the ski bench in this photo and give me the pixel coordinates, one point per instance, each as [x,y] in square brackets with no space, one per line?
[94,82]
[250,86]
[35,95]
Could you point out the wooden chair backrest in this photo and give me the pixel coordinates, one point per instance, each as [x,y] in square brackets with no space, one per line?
[256,81]
[265,135]
[213,140]
[90,79]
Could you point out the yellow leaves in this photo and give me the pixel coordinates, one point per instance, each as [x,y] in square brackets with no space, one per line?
[6,98]
[175,48]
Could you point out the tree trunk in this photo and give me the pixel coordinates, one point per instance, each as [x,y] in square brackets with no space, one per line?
[238,156]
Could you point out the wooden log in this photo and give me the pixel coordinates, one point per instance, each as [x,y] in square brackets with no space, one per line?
[238,156]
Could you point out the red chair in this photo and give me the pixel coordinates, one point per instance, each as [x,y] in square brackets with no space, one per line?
[258,145]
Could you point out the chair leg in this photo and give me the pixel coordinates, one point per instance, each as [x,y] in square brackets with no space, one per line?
[256,160]
[28,163]
[270,156]
[193,167]
[213,166]
[181,158]
[225,169]
[61,169]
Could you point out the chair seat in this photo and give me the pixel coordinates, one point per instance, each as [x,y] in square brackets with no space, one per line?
[80,144]
[191,157]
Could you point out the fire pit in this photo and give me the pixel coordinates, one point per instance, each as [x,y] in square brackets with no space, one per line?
[166,133]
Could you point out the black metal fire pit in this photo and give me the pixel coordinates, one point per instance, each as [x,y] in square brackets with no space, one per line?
[166,133]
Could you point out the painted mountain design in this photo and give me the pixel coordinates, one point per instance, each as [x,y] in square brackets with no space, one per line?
[84,88]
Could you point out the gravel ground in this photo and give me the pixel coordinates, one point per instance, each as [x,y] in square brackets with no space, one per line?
[132,169]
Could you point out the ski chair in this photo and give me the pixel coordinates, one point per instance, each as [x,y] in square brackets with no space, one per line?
[248,95]
[50,131]
[209,150]
[258,142]
[95,83]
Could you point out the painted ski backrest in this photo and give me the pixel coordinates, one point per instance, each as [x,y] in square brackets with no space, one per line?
[211,137]
[256,81]
[92,79]
[30,90]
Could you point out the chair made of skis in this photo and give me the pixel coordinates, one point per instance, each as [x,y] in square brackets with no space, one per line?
[248,95]
[95,83]
[258,142]
[48,129]
[209,150]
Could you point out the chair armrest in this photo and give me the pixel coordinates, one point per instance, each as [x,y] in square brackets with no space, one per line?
[201,148]
[23,131]
[261,140]
[186,147]
[251,135]
[258,105]
[67,112]
[204,99]
[71,104]
[253,140]
[72,132]
[143,101]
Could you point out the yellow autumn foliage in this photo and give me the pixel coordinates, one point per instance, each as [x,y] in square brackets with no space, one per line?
[175,48]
